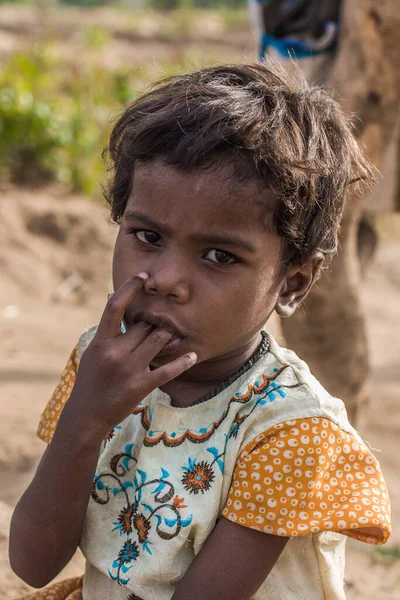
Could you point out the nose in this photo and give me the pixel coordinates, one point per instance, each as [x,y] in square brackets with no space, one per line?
[166,280]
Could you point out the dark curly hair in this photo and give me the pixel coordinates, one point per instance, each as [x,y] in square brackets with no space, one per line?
[293,138]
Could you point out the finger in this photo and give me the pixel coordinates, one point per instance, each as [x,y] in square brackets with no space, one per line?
[135,336]
[167,372]
[114,311]
[151,346]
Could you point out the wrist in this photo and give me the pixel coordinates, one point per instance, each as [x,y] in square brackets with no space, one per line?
[79,429]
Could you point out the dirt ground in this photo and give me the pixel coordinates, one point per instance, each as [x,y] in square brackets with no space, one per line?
[55,258]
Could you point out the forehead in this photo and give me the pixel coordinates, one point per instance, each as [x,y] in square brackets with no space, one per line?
[212,198]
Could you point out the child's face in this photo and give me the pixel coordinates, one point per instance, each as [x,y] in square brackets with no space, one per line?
[213,261]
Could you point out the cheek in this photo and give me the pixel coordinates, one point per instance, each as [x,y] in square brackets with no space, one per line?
[257,299]
[256,305]
[243,306]
[122,262]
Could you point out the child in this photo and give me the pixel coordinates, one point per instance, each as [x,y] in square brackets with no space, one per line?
[194,458]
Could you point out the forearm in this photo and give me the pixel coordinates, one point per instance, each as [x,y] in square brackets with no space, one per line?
[232,564]
[48,521]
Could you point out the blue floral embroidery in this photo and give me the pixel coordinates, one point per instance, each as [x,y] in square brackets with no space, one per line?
[163,515]
[198,477]
[128,553]
[136,516]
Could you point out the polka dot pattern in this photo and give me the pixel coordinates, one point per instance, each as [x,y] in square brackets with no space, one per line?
[306,476]
[69,589]
[51,414]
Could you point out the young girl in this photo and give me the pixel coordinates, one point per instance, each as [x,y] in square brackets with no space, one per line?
[191,457]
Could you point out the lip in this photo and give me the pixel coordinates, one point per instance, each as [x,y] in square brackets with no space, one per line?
[161,321]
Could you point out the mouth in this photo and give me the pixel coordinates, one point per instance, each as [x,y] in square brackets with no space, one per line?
[158,321]
[162,322]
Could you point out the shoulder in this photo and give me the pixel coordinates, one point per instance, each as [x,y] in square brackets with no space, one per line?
[300,373]
[281,388]
[307,476]
[301,468]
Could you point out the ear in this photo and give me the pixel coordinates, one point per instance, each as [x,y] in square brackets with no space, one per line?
[296,284]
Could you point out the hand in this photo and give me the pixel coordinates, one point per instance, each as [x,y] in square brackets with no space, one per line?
[114,373]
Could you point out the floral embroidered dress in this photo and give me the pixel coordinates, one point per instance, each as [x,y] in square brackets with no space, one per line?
[270,450]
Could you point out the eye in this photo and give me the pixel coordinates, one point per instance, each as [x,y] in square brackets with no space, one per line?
[151,238]
[221,257]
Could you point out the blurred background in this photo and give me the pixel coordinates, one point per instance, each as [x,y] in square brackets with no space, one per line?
[67,69]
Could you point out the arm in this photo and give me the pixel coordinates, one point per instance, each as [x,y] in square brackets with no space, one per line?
[113,377]
[232,564]
[47,523]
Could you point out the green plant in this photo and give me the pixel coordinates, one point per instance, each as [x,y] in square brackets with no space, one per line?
[56,108]
[54,118]
[96,37]
[30,136]
[233,17]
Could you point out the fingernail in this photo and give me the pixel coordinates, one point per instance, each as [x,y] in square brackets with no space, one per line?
[143,275]
[192,356]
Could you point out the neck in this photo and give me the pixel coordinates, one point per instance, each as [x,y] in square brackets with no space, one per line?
[208,375]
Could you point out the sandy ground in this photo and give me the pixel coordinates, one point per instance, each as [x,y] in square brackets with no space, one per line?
[50,240]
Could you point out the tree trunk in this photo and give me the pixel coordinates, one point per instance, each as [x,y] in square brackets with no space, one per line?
[329,332]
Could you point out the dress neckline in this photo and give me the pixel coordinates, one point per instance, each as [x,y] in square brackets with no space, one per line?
[261,350]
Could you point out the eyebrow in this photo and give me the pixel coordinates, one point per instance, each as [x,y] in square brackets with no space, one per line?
[130,215]
[226,240]
[218,239]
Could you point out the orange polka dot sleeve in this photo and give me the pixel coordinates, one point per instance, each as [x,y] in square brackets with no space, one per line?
[307,476]
[51,414]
